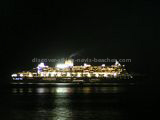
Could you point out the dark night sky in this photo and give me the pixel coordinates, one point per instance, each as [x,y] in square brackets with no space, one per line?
[51,29]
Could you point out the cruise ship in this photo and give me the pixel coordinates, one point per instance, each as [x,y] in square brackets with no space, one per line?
[68,73]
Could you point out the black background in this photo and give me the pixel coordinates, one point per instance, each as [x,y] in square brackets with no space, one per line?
[95,29]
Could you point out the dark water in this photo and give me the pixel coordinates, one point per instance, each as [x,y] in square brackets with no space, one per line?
[78,103]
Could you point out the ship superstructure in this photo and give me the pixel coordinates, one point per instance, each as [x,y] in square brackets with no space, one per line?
[67,72]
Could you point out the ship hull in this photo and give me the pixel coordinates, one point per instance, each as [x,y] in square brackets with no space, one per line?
[73,80]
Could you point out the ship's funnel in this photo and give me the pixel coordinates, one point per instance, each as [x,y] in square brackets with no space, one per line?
[117,63]
[69,63]
[41,65]
[66,64]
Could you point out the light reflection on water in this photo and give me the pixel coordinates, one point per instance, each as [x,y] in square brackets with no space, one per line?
[68,90]
[66,103]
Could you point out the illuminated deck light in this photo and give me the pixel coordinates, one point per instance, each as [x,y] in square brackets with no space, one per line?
[53,74]
[103,65]
[30,75]
[42,74]
[79,75]
[96,75]
[21,75]
[115,74]
[61,66]
[89,75]
[86,65]
[59,74]
[14,75]
[105,75]
[69,63]
[41,65]
[68,74]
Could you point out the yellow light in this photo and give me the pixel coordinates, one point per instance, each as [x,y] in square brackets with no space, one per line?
[68,74]
[79,75]
[61,66]
[97,75]
[69,63]
[21,75]
[47,74]
[30,75]
[105,75]
[53,74]
[59,74]
[42,75]
[86,65]
[88,75]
